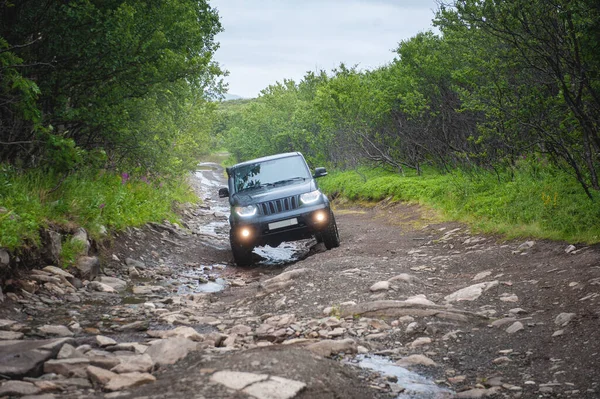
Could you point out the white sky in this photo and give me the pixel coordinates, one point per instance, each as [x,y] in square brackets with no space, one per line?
[265,41]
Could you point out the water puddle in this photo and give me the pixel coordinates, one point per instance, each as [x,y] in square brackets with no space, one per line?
[415,385]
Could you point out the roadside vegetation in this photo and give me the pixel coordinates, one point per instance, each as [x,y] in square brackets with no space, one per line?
[494,120]
[104,109]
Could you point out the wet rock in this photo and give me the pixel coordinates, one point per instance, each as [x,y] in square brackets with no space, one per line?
[470,293]
[99,376]
[515,327]
[135,263]
[282,280]
[331,347]
[20,358]
[147,289]
[81,236]
[10,335]
[129,380]
[238,282]
[380,286]
[133,363]
[67,367]
[564,318]
[116,283]
[170,350]
[88,267]
[103,341]
[413,360]
[101,287]
[18,388]
[55,330]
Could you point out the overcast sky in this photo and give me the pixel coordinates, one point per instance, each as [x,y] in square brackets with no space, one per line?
[265,41]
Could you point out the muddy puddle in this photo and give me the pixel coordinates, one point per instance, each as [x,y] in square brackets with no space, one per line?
[410,385]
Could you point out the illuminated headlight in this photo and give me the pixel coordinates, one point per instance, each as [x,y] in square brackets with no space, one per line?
[320,217]
[309,198]
[245,211]
[245,233]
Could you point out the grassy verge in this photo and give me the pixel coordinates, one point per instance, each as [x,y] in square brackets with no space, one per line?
[530,201]
[94,200]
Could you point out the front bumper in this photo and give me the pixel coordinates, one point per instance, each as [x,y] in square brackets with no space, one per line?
[289,226]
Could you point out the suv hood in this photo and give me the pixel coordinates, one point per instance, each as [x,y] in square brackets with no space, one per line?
[269,193]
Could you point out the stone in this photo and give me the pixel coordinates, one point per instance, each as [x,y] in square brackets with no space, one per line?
[128,380]
[135,263]
[25,358]
[170,350]
[18,388]
[275,388]
[380,286]
[509,298]
[147,289]
[526,245]
[129,346]
[67,367]
[133,272]
[81,236]
[101,287]
[419,300]
[69,352]
[10,335]
[516,326]
[103,341]
[330,347]
[391,308]
[116,283]
[133,363]
[422,341]
[140,325]
[570,249]
[52,245]
[558,333]
[237,379]
[478,393]
[88,267]
[470,293]
[55,330]
[403,277]
[282,280]
[564,318]
[413,360]
[5,323]
[240,329]
[58,271]
[99,376]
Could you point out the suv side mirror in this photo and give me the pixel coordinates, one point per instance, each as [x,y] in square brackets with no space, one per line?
[320,172]
[223,193]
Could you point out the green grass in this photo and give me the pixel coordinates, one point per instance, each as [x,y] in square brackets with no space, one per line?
[539,202]
[96,200]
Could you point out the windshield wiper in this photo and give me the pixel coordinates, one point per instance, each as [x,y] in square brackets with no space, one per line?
[289,180]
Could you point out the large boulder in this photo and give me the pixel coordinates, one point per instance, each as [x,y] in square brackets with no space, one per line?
[88,267]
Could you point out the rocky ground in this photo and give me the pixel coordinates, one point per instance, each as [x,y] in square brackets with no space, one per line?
[407,307]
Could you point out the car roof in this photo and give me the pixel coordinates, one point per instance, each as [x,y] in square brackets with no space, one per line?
[263,159]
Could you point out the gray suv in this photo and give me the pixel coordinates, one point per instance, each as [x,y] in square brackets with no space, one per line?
[275,199]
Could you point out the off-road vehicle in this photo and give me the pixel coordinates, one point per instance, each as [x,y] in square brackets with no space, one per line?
[275,199]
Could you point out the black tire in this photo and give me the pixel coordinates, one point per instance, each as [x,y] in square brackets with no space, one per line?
[242,254]
[331,237]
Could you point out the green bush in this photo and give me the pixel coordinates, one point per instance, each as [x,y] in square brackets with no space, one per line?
[540,202]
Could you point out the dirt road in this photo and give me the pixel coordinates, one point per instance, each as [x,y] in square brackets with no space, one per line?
[407,307]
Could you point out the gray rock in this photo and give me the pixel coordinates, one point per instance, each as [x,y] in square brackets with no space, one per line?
[236,379]
[57,271]
[133,363]
[182,332]
[82,237]
[135,263]
[6,323]
[55,330]
[478,393]
[88,267]
[18,388]
[422,341]
[113,282]
[282,280]
[564,318]
[25,358]
[170,350]
[147,289]
[10,335]
[140,325]
[570,249]
[275,388]
[128,380]
[470,293]
[99,376]
[516,326]
[69,352]
[52,245]
[414,360]
[526,245]
[103,341]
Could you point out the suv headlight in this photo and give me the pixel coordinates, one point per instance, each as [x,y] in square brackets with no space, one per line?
[245,211]
[309,198]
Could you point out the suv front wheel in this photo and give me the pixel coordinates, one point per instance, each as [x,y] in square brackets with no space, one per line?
[330,236]
[242,254]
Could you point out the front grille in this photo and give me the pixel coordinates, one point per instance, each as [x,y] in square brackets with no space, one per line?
[279,205]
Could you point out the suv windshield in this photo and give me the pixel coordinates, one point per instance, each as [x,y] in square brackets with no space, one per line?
[276,171]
